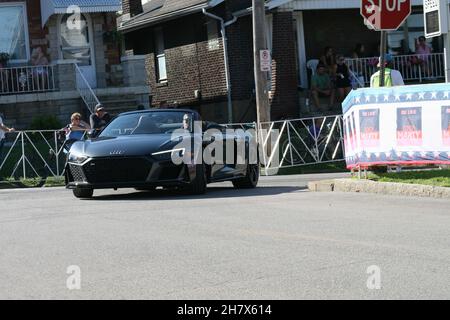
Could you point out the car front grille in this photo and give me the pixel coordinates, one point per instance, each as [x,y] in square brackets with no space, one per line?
[116,170]
[77,173]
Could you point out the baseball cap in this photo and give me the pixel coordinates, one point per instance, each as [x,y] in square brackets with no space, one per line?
[99,107]
[387,58]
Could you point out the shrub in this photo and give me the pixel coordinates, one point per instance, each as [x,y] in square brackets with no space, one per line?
[45,122]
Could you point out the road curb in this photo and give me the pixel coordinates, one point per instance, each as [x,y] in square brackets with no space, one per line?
[387,188]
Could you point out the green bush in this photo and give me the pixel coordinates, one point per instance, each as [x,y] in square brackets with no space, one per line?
[45,122]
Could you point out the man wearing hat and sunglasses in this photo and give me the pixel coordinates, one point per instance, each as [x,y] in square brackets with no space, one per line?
[392,78]
[100,119]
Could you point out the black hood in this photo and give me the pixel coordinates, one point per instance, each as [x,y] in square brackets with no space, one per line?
[123,146]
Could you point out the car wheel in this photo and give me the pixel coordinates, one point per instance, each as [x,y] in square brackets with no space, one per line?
[83,193]
[251,179]
[198,185]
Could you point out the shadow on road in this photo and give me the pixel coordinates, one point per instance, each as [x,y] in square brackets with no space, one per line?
[212,193]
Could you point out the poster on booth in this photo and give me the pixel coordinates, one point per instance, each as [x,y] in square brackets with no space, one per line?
[408,125]
[369,120]
[446,125]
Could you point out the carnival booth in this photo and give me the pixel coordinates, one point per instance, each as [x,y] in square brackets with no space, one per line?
[397,126]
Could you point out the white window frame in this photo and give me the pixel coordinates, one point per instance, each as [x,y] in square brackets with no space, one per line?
[25,21]
[159,35]
[212,32]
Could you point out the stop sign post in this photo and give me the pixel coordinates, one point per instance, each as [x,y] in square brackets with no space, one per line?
[385,15]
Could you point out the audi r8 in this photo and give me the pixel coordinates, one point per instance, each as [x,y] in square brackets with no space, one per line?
[143,149]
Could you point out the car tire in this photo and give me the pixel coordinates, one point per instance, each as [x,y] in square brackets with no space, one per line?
[199,184]
[83,193]
[250,180]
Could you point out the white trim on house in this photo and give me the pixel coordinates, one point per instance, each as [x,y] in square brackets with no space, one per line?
[25,21]
[51,7]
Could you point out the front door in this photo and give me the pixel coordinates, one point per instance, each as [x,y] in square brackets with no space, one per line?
[76,42]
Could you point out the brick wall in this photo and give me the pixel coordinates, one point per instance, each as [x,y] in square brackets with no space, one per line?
[191,64]
[284,100]
[112,47]
[240,53]
[132,7]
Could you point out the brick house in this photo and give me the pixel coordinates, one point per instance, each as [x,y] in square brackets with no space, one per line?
[187,63]
[64,56]
[185,56]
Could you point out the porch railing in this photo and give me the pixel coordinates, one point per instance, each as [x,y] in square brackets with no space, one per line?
[85,90]
[414,67]
[33,79]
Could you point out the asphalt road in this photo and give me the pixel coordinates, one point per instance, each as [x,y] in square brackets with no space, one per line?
[276,242]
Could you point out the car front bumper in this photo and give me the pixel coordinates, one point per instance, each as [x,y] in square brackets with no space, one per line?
[126,172]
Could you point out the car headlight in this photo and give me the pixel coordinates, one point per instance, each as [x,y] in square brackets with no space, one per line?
[169,154]
[76,158]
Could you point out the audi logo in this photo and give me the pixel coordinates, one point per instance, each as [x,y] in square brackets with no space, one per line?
[116,152]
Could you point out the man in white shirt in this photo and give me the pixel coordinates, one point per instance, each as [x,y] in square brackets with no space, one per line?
[3,129]
[392,78]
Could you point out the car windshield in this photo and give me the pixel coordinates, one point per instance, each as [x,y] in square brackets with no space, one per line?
[148,123]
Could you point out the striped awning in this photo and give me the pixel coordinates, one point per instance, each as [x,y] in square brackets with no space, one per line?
[51,7]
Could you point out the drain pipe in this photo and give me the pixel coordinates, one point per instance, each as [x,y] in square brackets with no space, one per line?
[223,26]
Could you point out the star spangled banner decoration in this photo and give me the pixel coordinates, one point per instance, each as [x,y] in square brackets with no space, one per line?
[407,125]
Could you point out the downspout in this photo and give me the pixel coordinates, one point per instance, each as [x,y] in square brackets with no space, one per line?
[223,26]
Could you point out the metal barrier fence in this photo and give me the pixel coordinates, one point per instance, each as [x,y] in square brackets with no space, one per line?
[415,67]
[33,154]
[27,79]
[300,142]
[288,143]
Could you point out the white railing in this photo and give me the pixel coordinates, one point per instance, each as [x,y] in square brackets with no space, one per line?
[288,143]
[34,154]
[414,67]
[84,89]
[299,142]
[27,79]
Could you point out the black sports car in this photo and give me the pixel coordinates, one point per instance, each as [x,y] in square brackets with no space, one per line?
[137,150]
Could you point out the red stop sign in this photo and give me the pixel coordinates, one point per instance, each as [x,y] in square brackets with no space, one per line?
[385,14]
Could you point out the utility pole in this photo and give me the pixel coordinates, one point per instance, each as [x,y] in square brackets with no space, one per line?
[382,57]
[259,43]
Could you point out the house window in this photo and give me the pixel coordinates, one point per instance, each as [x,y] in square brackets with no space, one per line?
[161,71]
[14,32]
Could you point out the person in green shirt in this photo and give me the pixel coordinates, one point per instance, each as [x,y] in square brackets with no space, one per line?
[321,86]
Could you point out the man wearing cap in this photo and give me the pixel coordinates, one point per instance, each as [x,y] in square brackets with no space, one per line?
[392,78]
[100,118]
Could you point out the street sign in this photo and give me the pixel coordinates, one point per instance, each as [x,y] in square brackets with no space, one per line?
[266,60]
[436,17]
[385,14]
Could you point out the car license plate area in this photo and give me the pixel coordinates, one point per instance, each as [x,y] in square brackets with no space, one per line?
[117,170]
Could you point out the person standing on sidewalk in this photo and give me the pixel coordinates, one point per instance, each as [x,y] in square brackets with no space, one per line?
[392,78]
[3,129]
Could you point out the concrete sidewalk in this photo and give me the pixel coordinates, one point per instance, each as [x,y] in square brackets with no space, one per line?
[386,188]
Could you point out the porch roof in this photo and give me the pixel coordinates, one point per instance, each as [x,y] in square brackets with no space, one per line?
[156,11]
[51,7]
